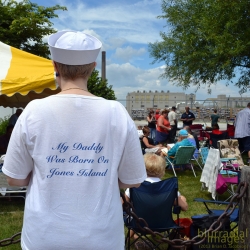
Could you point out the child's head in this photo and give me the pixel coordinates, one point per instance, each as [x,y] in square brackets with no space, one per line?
[155,165]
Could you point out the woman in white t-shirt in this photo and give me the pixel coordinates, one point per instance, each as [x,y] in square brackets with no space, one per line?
[72,164]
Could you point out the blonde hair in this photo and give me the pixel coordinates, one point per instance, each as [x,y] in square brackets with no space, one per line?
[72,72]
[155,165]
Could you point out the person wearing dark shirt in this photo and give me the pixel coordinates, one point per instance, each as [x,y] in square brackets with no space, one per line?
[214,118]
[4,139]
[151,124]
[187,117]
[148,144]
[14,117]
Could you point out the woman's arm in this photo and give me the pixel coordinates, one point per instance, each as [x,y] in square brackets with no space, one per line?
[19,182]
[149,119]
[182,202]
[123,185]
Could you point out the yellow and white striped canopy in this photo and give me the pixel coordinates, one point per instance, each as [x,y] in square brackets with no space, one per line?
[24,77]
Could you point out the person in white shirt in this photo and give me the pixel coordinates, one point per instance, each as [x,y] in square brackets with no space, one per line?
[242,129]
[72,164]
[173,123]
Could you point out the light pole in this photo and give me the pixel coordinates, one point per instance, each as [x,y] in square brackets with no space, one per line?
[191,100]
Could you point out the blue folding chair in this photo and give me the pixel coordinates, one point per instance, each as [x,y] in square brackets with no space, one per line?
[154,202]
[204,154]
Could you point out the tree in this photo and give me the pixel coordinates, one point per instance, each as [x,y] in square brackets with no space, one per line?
[206,41]
[24,24]
[4,122]
[100,87]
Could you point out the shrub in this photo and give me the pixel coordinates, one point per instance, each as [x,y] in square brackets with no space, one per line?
[4,122]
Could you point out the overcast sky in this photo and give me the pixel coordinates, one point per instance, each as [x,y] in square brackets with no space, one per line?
[125,28]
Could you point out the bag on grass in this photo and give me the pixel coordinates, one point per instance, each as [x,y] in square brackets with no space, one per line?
[215,240]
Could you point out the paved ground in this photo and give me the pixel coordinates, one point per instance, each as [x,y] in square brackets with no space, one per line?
[222,125]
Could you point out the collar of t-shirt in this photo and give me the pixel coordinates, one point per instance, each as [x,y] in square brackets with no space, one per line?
[153,179]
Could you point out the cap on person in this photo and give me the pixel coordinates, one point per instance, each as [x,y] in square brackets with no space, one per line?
[183,132]
[73,47]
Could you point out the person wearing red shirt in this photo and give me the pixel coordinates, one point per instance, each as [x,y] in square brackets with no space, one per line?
[163,127]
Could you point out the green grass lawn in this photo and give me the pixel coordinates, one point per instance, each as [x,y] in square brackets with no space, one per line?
[11,210]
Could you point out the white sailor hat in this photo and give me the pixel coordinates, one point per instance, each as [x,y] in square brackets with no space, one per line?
[73,47]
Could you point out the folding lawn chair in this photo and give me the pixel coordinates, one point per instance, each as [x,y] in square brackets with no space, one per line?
[211,178]
[5,189]
[183,157]
[196,128]
[229,149]
[234,217]
[204,154]
[214,138]
[230,130]
[153,202]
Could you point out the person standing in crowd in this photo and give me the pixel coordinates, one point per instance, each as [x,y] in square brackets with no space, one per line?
[163,128]
[5,138]
[214,118]
[157,115]
[242,129]
[14,117]
[187,117]
[151,124]
[173,123]
[74,169]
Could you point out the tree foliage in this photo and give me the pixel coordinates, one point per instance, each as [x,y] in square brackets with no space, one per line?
[24,24]
[205,41]
[100,87]
[4,122]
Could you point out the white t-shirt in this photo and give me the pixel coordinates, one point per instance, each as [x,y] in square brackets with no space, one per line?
[171,117]
[76,147]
